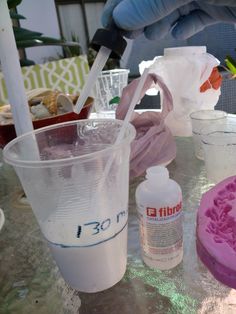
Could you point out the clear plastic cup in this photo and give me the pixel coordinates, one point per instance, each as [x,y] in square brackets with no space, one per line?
[201,119]
[108,89]
[82,216]
[219,146]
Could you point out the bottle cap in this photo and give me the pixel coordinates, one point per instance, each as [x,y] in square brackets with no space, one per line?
[157,174]
[111,38]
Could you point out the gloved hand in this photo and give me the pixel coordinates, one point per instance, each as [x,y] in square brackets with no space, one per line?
[183,18]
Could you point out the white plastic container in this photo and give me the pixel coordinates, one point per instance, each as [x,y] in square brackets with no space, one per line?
[159,205]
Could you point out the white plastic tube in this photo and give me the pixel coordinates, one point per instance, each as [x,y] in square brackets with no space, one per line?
[12,73]
[134,101]
[97,67]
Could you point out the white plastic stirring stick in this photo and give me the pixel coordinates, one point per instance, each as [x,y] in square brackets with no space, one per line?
[134,101]
[97,67]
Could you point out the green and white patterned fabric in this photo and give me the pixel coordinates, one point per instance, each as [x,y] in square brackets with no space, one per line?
[67,75]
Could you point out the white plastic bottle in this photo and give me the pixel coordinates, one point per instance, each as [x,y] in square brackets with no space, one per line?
[159,205]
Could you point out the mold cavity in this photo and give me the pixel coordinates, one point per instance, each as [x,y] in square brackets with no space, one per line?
[231,197]
[218,201]
[231,187]
[227,208]
[223,227]
[221,224]
[222,192]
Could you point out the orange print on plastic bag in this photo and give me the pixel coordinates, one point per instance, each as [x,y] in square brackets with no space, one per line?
[214,81]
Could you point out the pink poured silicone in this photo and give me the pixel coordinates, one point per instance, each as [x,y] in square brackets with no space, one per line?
[216,231]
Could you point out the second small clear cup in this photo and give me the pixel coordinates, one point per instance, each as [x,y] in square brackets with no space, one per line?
[219,146]
[108,90]
[201,119]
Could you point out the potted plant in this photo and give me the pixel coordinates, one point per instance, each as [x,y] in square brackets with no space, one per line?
[228,88]
[26,38]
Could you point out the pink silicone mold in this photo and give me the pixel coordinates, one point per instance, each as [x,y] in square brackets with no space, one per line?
[216,231]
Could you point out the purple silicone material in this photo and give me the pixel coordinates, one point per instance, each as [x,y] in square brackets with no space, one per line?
[154,143]
[216,231]
[219,271]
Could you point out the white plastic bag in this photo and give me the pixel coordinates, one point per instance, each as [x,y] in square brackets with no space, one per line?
[184,70]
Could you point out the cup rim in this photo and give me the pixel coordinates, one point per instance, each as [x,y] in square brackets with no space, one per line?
[224,115]
[114,72]
[65,161]
[2,219]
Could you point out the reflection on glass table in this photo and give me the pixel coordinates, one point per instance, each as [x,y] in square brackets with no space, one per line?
[31,282]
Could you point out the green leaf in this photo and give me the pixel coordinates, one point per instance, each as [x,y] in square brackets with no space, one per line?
[114,100]
[231,60]
[16,16]
[231,64]
[29,43]
[71,51]
[61,42]
[43,41]
[23,33]
[13,3]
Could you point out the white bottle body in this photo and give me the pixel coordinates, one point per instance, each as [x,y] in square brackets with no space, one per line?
[160,223]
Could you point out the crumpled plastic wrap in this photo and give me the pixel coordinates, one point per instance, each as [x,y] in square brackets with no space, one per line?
[154,143]
[184,70]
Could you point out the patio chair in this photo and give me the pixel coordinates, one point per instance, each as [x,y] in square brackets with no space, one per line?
[67,75]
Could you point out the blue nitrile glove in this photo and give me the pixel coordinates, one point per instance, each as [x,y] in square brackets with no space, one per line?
[183,18]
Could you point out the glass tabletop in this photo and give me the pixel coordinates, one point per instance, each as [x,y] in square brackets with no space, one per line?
[31,283]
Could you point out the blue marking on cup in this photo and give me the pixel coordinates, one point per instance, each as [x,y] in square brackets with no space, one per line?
[222,132]
[89,245]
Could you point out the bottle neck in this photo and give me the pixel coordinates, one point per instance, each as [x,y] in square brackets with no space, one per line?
[157,176]
[154,182]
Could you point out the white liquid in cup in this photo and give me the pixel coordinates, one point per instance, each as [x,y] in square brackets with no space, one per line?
[79,270]
[90,251]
